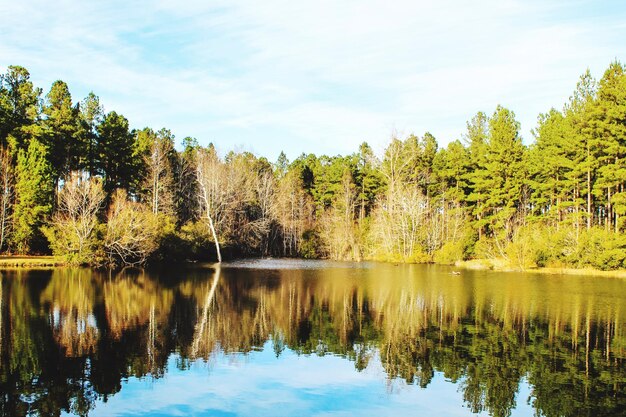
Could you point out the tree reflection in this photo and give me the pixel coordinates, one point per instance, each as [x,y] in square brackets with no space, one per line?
[69,337]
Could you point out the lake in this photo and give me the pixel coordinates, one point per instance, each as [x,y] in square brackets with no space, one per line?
[311,338]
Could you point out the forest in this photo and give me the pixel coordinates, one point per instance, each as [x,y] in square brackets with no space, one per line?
[81,184]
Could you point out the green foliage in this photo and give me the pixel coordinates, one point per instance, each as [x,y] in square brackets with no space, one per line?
[600,249]
[193,241]
[62,130]
[117,156]
[90,117]
[456,250]
[178,244]
[64,244]
[310,248]
[19,106]
[35,192]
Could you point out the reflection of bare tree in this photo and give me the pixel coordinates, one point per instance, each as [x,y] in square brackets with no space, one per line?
[202,330]
[130,301]
[262,322]
[1,309]
[152,330]
[71,295]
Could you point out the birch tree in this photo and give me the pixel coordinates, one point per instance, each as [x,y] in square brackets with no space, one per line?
[291,208]
[158,160]
[6,195]
[213,195]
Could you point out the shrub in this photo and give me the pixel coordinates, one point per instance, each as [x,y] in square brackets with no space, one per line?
[310,245]
[132,232]
[73,231]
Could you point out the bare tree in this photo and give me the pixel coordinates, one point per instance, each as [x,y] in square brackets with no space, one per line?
[337,225]
[264,190]
[400,222]
[159,173]
[292,209]
[6,195]
[73,225]
[202,326]
[132,231]
[250,182]
[213,192]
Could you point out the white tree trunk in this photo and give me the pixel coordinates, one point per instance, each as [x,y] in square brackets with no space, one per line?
[217,242]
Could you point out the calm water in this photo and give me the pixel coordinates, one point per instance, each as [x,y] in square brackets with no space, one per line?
[284,338]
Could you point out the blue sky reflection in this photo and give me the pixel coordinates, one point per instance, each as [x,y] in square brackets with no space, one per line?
[260,384]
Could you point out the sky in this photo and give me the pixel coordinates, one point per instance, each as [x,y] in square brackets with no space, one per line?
[322,76]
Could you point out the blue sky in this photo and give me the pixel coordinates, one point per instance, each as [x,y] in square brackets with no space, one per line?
[319,76]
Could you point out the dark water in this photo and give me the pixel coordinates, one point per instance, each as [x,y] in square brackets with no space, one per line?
[284,338]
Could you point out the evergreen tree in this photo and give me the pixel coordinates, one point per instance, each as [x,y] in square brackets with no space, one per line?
[427,151]
[368,179]
[281,165]
[478,175]
[608,124]
[498,177]
[551,162]
[507,172]
[34,191]
[450,167]
[157,163]
[20,107]
[91,114]
[62,127]
[578,112]
[186,185]
[118,158]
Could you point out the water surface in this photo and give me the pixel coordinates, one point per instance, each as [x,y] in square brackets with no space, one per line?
[286,337]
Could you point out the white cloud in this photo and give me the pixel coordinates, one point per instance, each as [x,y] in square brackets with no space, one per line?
[313,76]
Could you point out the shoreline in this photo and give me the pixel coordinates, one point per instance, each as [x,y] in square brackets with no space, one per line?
[25,261]
[496,265]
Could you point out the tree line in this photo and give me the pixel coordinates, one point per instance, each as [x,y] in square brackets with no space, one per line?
[79,182]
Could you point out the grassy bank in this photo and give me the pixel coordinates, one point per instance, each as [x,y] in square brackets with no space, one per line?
[29,261]
[504,266]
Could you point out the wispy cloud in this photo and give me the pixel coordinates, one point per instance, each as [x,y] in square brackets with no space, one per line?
[313,76]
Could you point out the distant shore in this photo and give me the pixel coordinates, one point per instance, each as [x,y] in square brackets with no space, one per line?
[24,261]
[502,266]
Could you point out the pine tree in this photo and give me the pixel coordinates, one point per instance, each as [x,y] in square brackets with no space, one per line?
[20,103]
[62,131]
[478,178]
[91,114]
[506,171]
[551,162]
[578,114]
[34,191]
[368,179]
[608,124]
[118,158]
